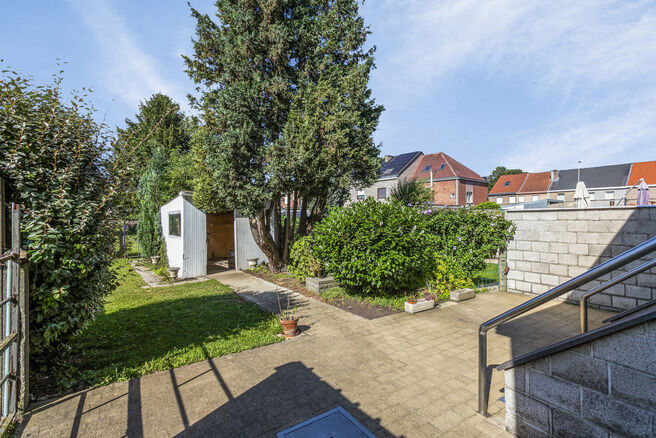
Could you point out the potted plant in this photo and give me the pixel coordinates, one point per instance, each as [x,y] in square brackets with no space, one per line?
[411,299]
[173,272]
[154,259]
[288,319]
[252,262]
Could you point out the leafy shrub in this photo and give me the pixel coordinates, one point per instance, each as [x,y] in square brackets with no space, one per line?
[55,161]
[487,205]
[410,192]
[448,276]
[469,236]
[149,228]
[303,263]
[374,247]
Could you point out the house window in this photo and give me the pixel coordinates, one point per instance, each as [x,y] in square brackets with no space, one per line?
[535,197]
[382,193]
[427,168]
[507,183]
[561,196]
[521,199]
[499,200]
[470,196]
[592,196]
[286,200]
[453,196]
[610,195]
[360,195]
[442,166]
[511,200]
[174,224]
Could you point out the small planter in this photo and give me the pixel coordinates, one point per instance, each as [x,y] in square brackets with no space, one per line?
[419,306]
[154,260]
[289,327]
[252,262]
[411,301]
[173,273]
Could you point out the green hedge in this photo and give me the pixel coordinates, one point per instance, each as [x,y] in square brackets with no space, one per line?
[373,247]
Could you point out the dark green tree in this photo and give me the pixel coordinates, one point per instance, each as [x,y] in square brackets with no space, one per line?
[410,192]
[497,172]
[149,227]
[285,95]
[161,122]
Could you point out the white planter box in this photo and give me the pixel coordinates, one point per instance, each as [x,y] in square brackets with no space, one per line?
[462,294]
[421,305]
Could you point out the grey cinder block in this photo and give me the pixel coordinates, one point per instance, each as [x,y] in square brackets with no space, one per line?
[462,294]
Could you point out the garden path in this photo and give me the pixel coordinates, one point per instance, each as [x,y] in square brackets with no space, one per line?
[400,375]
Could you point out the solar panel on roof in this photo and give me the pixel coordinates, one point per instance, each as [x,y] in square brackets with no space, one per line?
[397,163]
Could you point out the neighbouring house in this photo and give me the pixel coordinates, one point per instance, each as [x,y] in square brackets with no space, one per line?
[606,184]
[393,169]
[193,237]
[451,182]
[645,170]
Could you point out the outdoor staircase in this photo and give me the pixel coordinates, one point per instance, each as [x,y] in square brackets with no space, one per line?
[599,383]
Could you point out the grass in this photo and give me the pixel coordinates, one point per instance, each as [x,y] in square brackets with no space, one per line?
[146,330]
[487,276]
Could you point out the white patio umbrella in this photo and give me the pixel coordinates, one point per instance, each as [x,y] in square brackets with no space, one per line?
[581,195]
[643,193]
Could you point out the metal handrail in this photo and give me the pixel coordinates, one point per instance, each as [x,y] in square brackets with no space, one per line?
[583,304]
[610,265]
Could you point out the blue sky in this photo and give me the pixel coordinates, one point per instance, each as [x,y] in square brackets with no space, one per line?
[536,85]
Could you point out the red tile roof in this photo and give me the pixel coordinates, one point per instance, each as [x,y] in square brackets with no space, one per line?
[536,183]
[443,166]
[508,184]
[646,170]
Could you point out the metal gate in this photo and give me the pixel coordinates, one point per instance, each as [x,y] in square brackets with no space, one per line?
[14,290]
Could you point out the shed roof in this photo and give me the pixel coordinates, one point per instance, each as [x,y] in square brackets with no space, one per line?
[645,170]
[397,164]
[443,166]
[508,184]
[594,177]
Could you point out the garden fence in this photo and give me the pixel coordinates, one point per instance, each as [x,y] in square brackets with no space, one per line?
[14,320]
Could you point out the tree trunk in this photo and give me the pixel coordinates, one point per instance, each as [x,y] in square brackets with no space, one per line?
[262,235]
[288,230]
[302,221]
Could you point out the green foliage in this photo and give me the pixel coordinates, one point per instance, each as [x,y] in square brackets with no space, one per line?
[487,205]
[56,162]
[303,263]
[498,171]
[147,330]
[448,276]
[392,301]
[410,192]
[149,228]
[287,105]
[376,247]
[469,236]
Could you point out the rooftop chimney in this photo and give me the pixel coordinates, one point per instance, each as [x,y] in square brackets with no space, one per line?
[386,158]
[554,175]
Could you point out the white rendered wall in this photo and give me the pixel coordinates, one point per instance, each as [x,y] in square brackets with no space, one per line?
[174,244]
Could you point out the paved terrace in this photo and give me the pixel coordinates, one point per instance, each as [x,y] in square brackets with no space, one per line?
[401,375]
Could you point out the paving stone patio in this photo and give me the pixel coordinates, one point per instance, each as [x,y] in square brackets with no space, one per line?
[400,375]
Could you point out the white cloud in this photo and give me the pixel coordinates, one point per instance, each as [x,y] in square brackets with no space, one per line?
[595,56]
[129,72]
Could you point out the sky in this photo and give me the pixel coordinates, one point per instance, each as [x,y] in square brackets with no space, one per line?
[535,85]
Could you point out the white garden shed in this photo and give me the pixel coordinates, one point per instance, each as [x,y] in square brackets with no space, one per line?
[185,234]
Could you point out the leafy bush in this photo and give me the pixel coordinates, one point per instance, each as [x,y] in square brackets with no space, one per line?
[374,247]
[55,160]
[448,276]
[410,192]
[303,263]
[469,236]
[487,205]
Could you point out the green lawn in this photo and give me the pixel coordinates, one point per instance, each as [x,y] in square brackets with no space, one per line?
[489,275]
[146,330]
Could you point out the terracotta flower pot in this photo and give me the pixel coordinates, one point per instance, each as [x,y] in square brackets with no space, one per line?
[289,327]
[412,300]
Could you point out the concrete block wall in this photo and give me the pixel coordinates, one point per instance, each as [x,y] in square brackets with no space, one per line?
[604,388]
[553,246]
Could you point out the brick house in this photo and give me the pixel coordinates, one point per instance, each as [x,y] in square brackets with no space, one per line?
[647,171]
[393,169]
[520,188]
[452,182]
